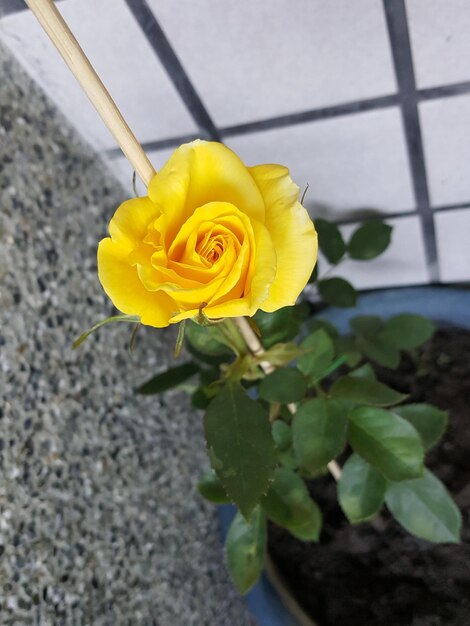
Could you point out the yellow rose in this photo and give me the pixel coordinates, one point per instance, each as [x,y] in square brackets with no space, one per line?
[212,233]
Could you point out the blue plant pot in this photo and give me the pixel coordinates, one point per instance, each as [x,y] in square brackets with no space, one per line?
[446,306]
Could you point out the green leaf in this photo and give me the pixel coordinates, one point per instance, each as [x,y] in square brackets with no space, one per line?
[428,420]
[369,240]
[330,240]
[284,385]
[135,319]
[319,432]
[365,391]
[386,441]
[365,371]
[408,331]
[337,363]
[288,459]
[282,354]
[208,389]
[169,379]
[366,325]
[282,435]
[289,504]
[245,548]
[361,489]
[208,340]
[199,399]
[240,445]
[379,349]
[208,376]
[347,347]
[337,292]
[211,489]
[425,508]
[279,326]
[316,322]
[320,356]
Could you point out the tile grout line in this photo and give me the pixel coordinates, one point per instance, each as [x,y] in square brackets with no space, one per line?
[397,26]
[311,115]
[155,36]
[399,214]
[9,7]
[443,91]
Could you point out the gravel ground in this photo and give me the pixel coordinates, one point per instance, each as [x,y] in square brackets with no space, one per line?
[100,522]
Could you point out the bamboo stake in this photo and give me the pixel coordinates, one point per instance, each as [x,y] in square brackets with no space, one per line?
[62,38]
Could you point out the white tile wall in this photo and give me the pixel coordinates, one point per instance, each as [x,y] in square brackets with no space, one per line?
[439,32]
[123,171]
[124,60]
[445,127]
[453,237]
[403,263]
[253,59]
[351,162]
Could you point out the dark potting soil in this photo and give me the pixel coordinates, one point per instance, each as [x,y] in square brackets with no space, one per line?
[362,576]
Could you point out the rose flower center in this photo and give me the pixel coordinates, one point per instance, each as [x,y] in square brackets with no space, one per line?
[212,246]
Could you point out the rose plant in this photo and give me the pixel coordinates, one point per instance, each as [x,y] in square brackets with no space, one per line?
[284,395]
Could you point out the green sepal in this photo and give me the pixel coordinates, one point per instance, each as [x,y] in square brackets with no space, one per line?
[133,319]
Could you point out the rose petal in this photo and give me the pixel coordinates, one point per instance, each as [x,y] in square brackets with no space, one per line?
[131,219]
[123,286]
[198,173]
[292,232]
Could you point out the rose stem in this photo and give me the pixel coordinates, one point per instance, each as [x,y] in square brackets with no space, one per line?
[61,36]
[256,347]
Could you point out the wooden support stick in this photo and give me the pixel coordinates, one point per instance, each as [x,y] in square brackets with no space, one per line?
[61,36]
